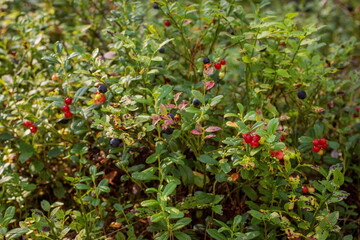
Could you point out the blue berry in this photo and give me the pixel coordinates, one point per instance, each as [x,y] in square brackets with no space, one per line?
[102,88]
[115,142]
[196,102]
[206,60]
[171,115]
[301,94]
[162,50]
[156,6]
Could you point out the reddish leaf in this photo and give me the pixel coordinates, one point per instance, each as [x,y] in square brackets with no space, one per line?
[196,132]
[177,96]
[183,104]
[155,119]
[170,105]
[210,136]
[212,129]
[209,84]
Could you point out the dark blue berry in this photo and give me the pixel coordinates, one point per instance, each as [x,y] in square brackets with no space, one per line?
[168,130]
[45,229]
[196,102]
[162,50]
[171,115]
[206,60]
[301,94]
[115,142]
[102,88]
[156,6]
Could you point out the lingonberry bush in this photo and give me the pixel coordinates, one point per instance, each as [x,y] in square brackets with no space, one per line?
[179,119]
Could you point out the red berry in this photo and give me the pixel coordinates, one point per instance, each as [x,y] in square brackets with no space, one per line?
[99,98]
[217,66]
[256,137]
[273,153]
[357,108]
[280,155]
[355,115]
[65,108]
[68,101]
[322,141]
[167,23]
[282,43]
[304,189]
[247,137]
[282,138]
[323,146]
[68,114]
[222,61]
[254,144]
[316,149]
[28,124]
[33,129]
[315,142]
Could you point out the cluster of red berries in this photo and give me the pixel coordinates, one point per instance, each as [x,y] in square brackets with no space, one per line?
[30,125]
[278,154]
[306,189]
[319,144]
[252,139]
[219,64]
[66,108]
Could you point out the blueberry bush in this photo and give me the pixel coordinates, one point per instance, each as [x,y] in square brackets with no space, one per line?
[206,119]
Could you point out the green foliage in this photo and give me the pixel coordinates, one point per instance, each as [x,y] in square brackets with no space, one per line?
[179,169]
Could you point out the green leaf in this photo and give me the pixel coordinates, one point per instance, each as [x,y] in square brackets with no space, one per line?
[192,110]
[256,214]
[82,186]
[236,222]
[157,217]
[54,152]
[215,234]
[283,73]
[319,129]
[305,140]
[45,205]
[8,216]
[272,126]
[181,223]
[250,116]
[241,109]
[250,193]
[162,236]
[15,233]
[6,136]
[334,145]
[291,15]
[169,189]
[59,47]
[150,203]
[27,151]
[207,159]
[338,177]
[147,174]
[72,55]
[216,100]
[217,209]
[79,93]
[199,96]
[181,236]
[95,53]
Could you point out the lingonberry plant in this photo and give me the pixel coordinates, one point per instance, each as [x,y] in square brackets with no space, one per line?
[179,119]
